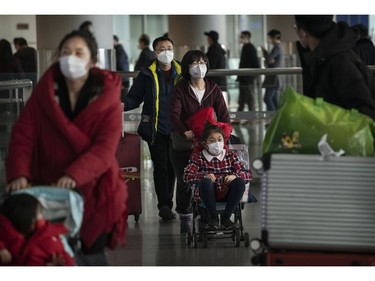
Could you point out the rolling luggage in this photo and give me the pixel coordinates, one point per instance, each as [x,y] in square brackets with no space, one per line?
[129,158]
[313,206]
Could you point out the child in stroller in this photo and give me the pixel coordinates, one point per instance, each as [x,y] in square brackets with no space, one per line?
[27,237]
[218,174]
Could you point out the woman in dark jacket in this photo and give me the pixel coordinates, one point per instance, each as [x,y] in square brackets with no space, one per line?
[191,93]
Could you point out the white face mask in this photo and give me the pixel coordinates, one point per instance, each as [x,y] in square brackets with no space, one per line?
[166,57]
[198,71]
[215,148]
[73,67]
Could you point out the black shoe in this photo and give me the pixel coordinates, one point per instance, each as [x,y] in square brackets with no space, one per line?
[213,223]
[166,213]
[186,223]
[227,223]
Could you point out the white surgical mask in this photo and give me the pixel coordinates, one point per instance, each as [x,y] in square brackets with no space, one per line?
[166,57]
[198,71]
[73,67]
[215,148]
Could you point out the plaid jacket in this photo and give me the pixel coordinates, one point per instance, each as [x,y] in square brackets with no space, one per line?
[198,167]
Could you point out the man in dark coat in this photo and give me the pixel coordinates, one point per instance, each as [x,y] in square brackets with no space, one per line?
[249,59]
[25,54]
[364,46]
[216,58]
[332,70]
[146,55]
[122,61]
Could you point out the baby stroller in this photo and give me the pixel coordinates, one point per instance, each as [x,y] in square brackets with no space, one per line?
[60,205]
[200,232]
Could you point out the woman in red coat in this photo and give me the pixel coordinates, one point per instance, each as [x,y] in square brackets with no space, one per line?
[67,136]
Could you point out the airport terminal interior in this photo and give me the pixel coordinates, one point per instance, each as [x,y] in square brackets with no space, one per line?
[150,241]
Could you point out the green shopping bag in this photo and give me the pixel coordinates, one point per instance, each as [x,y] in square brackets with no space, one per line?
[300,123]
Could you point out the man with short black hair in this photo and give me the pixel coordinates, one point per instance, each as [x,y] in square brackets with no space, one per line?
[249,59]
[146,55]
[364,47]
[154,87]
[122,62]
[25,54]
[216,58]
[332,70]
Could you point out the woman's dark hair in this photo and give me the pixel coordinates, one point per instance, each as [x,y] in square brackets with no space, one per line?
[190,57]
[274,33]
[21,210]
[87,37]
[317,25]
[209,129]
[96,79]
[159,39]
[5,51]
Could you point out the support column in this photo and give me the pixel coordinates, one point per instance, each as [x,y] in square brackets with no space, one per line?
[187,32]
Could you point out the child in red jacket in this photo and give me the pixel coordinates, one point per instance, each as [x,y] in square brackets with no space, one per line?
[219,173]
[26,238]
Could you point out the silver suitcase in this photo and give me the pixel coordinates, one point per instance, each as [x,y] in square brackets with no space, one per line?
[312,203]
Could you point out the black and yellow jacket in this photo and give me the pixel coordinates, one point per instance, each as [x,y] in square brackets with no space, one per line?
[147,88]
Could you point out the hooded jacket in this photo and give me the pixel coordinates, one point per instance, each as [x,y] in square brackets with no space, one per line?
[146,89]
[334,72]
[36,250]
[46,145]
[184,104]
[43,244]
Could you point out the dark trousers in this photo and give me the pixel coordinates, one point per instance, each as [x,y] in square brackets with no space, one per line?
[246,96]
[207,194]
[164,177]
[271,98]
[184,193]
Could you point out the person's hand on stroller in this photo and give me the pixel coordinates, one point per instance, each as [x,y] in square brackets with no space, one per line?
[66,182]
[56,260]
[211,177]
[228,179]
[17,184]
[5,256]
[189,135]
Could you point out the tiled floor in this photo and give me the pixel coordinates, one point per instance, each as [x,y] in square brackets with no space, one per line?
[151,242]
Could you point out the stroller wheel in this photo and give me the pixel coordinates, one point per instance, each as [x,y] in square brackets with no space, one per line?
[205,241]
[237,237]
[247,239]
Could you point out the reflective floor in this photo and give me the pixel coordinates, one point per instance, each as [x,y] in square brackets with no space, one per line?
[151,242]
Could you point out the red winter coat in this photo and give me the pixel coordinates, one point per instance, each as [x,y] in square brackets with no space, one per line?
[43,244]
[10,238]
[46,145]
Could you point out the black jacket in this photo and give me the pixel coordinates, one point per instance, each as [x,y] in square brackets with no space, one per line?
[122,61]
[249,59]
[216,59]
[365,50]
[144,59]
[334,72]
[27,58]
